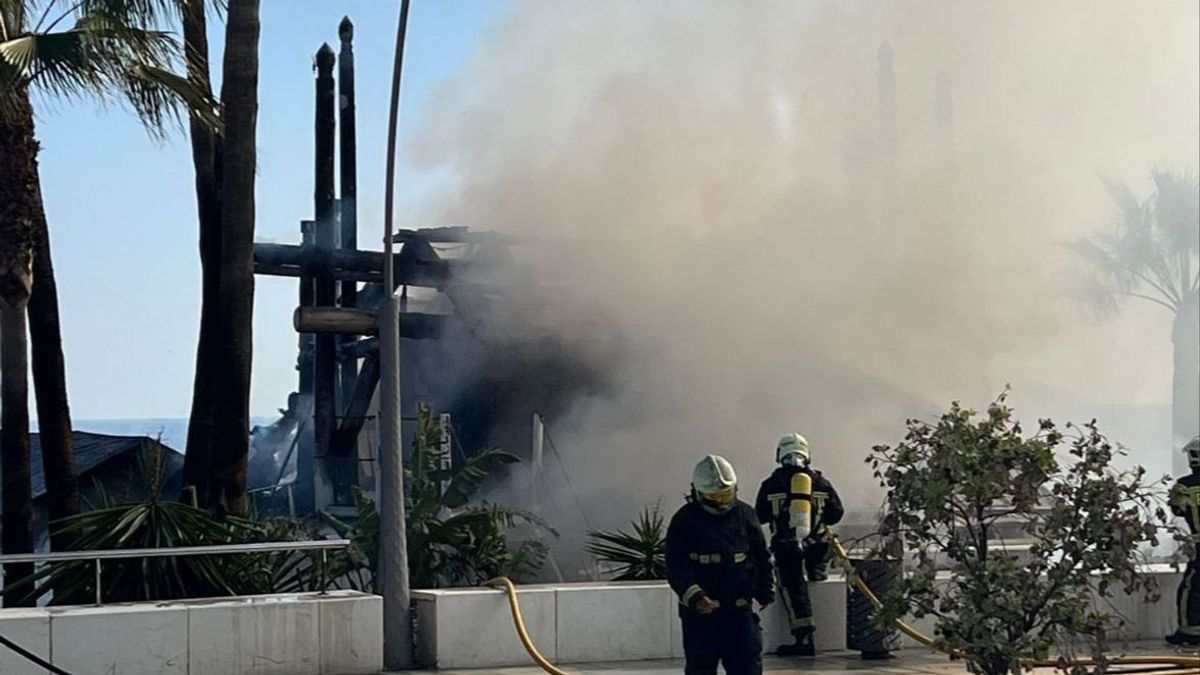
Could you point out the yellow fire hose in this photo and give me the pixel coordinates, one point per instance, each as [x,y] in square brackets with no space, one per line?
[506,585]
[1171,662]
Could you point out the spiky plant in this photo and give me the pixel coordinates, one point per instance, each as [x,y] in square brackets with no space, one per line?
[637,555]
[153,522]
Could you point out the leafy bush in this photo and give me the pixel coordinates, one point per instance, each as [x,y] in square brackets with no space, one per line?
[950,486]
[637,555]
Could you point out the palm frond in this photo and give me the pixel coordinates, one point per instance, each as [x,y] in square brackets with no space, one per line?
[466,480]
[111,53]
[1152,250]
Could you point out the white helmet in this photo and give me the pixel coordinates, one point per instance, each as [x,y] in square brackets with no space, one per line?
[792,450]
[715,484]
[1193,452]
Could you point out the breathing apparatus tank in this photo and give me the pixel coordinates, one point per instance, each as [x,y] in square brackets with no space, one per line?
[800,506]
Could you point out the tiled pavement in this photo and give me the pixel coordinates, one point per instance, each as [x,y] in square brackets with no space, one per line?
[907,662]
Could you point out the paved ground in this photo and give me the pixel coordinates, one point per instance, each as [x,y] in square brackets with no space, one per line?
[907,662]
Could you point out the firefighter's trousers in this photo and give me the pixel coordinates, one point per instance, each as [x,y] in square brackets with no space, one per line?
[729,637]
[793,592]
[1187,599]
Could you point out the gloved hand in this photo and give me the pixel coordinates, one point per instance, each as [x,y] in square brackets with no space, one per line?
[704,605]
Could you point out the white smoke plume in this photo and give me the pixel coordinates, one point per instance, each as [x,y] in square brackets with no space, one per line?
[713,179]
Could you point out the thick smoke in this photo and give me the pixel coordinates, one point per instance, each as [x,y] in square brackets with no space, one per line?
[716,188]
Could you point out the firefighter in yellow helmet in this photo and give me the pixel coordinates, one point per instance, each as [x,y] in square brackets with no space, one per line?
[798,505]
[1185,503]
[718,565]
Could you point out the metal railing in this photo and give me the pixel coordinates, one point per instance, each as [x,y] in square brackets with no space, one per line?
[322,545]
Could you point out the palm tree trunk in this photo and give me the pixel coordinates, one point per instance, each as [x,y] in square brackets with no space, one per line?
[50,388]
[18,193]
[17,182]
[17,521]
[197,467]
[239,96]
[1185,399]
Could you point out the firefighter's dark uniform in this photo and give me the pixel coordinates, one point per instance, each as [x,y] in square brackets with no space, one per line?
[1185,502]
[773,509]
[723,556]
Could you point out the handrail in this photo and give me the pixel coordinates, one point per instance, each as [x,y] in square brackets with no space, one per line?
[322,545]
[126,553]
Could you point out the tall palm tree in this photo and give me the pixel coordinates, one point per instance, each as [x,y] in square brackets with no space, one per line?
[218,429]
[206,162]
[235,293]
[110,50]
[1153,255]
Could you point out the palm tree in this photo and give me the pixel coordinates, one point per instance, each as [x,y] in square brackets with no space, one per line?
[109,51]
[17,526]
[218,430]
[1153,254]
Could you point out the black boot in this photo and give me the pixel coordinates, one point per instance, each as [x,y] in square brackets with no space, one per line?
[1183,639]
[803,646]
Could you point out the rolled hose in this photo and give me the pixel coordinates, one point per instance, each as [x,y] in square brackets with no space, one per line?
[1166,662]
[1171,662]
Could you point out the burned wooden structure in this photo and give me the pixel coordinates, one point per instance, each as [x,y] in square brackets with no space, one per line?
[340,288]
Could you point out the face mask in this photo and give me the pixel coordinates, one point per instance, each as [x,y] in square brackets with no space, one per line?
[718,502]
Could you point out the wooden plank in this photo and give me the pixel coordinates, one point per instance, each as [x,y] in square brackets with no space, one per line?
[338,320]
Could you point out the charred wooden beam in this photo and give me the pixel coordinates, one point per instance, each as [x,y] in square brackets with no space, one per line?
[325,363]
[289,260]
[337,320]
[358,405]
[359,348]
[348,160]
[306,442]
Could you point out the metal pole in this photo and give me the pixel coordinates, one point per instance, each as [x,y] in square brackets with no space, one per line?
[98,582]
[393,544]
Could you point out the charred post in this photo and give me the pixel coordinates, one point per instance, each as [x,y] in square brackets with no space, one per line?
[887,121]
[348,157]
[305,495]
[325,361]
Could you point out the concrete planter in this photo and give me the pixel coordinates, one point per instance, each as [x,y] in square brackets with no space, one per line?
[340,633]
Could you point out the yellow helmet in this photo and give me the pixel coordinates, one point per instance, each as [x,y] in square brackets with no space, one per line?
[1193,452]
[715,484]
[792,449]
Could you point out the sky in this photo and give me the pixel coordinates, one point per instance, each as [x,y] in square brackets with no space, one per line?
[122,212]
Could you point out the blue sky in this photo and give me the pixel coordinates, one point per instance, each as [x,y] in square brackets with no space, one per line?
[122,207]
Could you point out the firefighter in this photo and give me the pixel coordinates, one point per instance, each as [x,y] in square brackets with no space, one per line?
[798,505]
[718,565]
[1185,502]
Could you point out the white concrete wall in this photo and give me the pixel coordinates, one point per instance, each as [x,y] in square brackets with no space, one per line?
[472,628]
[340,633]
[29,628]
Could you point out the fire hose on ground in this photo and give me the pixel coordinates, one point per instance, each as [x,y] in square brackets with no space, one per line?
[1161,662]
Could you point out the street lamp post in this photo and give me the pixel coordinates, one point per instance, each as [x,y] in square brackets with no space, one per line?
[393,554]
